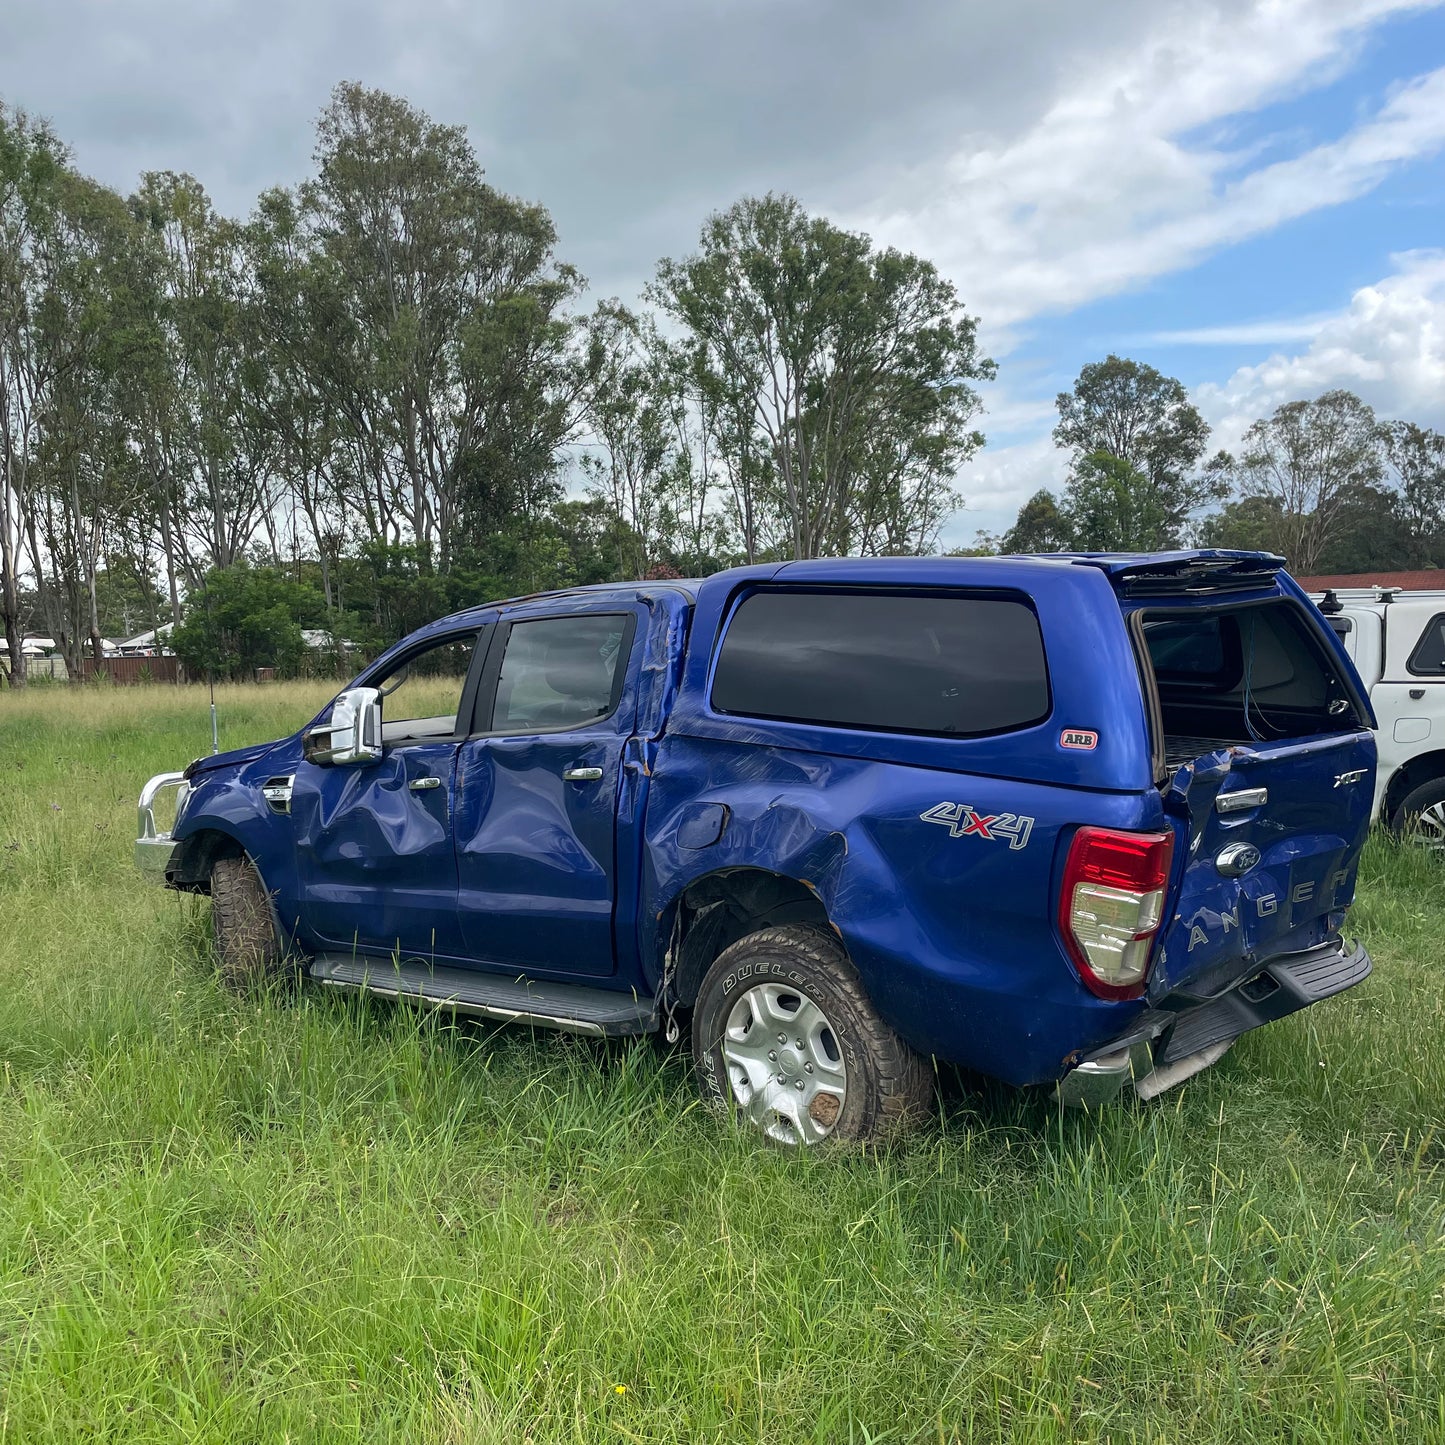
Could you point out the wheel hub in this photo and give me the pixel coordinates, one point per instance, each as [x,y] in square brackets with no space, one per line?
[1427,828]
[784,1063]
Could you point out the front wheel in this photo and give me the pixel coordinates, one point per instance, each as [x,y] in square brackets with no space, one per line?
[248,953]
[783,1033]
[1420,818]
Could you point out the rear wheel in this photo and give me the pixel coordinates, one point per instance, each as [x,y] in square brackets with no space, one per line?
[1420,818]
[784,1034]
[248,953]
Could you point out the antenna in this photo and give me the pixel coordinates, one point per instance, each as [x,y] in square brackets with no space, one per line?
[215,737]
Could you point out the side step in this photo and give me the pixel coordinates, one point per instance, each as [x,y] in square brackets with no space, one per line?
[602,1012]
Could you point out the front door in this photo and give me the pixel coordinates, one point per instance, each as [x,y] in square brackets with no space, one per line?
[375,860]
[537,792]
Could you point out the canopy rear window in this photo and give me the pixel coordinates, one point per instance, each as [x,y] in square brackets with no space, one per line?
[949,664]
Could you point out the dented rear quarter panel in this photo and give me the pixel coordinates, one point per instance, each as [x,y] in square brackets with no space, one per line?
[950,918]
[953,932]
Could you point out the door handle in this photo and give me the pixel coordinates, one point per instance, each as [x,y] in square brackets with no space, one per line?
[582,775]
[421,785]
[1241,801]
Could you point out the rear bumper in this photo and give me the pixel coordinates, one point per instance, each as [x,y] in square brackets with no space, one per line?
[1165,1047]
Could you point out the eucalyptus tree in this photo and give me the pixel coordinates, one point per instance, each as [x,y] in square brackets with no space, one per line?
[812,343]
[93,317]
[1309,461]
[444,320]
[212,453]
[32,159]
[1132,411]
[1416,460]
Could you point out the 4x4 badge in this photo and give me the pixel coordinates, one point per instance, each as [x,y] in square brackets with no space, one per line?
[963,821]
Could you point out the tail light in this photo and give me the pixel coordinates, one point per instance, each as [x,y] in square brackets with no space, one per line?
[1111,906]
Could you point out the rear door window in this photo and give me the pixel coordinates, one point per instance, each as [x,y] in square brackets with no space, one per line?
[560,672]
[960,666]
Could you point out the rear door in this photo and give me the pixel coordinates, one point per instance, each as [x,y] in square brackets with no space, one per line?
[537,795]
[1267,764]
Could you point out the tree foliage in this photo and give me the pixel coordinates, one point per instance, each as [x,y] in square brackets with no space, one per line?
[1307,461]
[379,383]
[1133,412]
[838,377]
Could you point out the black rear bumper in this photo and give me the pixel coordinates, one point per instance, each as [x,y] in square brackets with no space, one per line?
[1283,986]
[1166,1046]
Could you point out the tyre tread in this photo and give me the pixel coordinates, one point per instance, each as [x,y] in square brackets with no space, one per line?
[247,952]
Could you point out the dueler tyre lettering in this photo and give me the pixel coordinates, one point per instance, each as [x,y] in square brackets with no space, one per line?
[248,953]
[784,1034]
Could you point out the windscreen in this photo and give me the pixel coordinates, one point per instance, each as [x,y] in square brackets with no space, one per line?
[1245,674]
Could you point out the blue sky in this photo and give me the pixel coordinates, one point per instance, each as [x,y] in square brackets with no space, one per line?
[1245,193]
[1283,310]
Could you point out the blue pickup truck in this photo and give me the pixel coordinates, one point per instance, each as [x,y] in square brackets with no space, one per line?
[1077,820]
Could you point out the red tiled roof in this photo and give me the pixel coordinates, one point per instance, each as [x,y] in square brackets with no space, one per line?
[1430,579]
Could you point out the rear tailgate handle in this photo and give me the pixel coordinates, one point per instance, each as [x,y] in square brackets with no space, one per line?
[1241,801]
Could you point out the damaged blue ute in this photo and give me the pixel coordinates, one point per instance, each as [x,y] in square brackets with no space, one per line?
[1078,821]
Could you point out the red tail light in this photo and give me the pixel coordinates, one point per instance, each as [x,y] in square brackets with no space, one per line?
[1111,906]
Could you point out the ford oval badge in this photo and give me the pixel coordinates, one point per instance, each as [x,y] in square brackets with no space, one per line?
[1237,859]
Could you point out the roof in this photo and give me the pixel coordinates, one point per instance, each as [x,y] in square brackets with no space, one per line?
[1429,579]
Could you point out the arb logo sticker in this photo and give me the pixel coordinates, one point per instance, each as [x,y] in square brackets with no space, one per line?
[1083,738]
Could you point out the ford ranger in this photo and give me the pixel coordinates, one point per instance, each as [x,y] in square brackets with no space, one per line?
[1077,820]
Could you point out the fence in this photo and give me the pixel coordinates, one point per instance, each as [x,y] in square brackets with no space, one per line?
[130,670]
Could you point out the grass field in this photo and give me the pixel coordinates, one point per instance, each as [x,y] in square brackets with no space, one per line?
[328,1220]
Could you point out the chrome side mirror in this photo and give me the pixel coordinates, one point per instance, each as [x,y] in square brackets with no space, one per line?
[353,736]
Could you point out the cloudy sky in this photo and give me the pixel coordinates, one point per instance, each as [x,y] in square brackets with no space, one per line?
[1246,193]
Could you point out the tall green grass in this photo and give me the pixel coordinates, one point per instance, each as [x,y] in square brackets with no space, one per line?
[263,1220]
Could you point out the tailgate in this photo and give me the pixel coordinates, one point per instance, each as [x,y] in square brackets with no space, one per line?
[1267,844]
[1263,740]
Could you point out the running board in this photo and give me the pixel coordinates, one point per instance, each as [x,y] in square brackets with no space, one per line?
[602,1012]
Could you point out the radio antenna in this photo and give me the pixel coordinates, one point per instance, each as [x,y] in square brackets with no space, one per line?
[215,736]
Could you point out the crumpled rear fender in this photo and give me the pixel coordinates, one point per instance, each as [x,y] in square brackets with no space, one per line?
[943,887]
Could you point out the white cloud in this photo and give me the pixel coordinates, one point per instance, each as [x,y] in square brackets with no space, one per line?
[1112,186]
[1388,345]
[1239,333]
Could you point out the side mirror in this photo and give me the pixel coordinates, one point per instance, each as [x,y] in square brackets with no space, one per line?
[353,736]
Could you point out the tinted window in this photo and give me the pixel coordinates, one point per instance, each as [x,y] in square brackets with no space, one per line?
[559,672]
[1197,650]
[942,664]
[1428,658]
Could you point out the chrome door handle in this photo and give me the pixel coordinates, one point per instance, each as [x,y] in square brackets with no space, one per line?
[420,785]
[582,775]
[1241,801]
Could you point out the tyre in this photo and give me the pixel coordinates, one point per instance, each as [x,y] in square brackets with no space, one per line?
[248,954]
[783,1034]
[1420,818]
